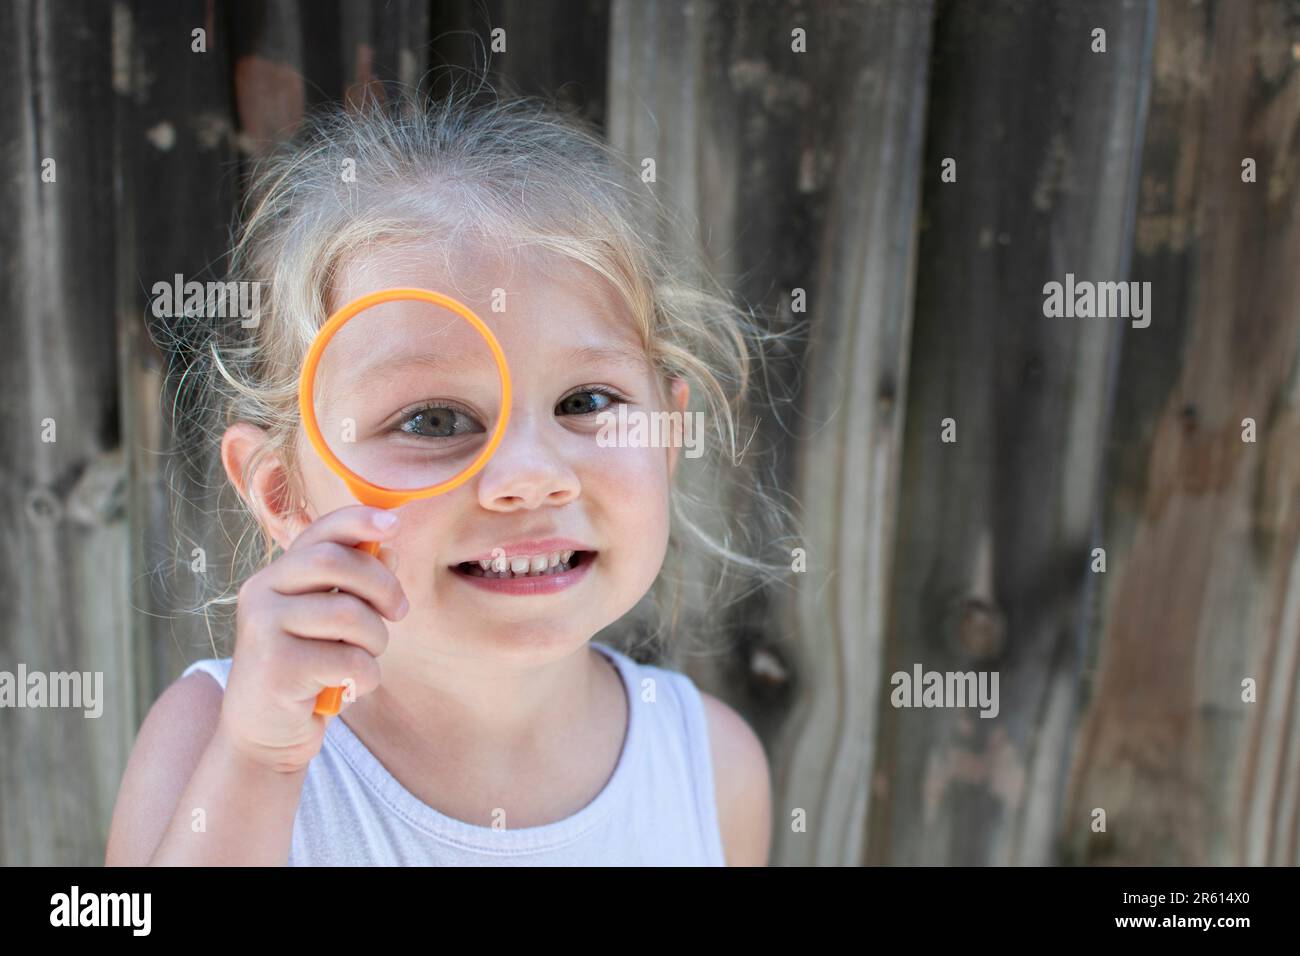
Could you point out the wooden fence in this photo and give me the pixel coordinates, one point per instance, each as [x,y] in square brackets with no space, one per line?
[1124,690]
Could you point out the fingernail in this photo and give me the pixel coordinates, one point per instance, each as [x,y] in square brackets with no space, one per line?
[403,607]
[385,520]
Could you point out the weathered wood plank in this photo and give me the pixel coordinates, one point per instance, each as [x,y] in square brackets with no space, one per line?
[174,150]
[991,565]
[64,565]
[557,50]
[1201,528]
[385,43]
[268,64]
[801,169]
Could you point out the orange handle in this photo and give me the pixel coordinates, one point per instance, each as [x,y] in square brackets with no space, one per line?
[330,699]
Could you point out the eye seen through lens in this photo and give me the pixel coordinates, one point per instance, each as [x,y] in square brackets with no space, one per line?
[405,394]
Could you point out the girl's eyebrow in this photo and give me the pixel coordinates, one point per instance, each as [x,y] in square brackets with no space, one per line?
[619,355]
[430,362]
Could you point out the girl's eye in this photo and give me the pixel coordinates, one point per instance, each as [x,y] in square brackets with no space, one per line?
[588,401]
[437,421]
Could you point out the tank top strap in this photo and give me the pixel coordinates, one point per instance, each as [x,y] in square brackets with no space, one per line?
[218,668]
[676,730]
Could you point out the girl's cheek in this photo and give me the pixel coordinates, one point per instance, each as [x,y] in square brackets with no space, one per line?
[644,467]
[631,489]
[424,532]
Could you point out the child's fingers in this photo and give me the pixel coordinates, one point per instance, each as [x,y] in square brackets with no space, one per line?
[333,665]
[334,617]
[351,524]
[329,564]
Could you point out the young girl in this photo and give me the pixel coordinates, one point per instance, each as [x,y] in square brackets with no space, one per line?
[488,726]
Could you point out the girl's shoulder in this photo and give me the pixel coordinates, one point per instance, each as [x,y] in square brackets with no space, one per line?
[167,749]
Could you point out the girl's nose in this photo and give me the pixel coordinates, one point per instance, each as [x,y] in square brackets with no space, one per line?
[526,472]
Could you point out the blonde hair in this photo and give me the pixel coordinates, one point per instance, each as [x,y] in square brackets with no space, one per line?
[511,171]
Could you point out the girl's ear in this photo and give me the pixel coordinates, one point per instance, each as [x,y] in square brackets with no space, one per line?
[681,396]
[268,491]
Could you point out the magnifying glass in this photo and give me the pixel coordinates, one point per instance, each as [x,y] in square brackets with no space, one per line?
[390,401]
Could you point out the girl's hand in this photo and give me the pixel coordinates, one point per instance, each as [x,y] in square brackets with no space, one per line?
[294,638]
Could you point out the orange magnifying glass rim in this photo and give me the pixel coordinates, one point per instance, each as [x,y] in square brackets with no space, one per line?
[378,496]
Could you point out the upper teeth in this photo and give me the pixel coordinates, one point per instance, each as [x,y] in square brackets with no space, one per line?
[525,563]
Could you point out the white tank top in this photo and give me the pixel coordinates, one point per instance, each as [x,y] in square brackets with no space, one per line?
[657,808]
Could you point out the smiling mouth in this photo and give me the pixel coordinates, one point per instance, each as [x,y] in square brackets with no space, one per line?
[475,569]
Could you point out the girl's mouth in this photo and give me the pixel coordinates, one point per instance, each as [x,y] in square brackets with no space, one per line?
[534,574]
[525,566]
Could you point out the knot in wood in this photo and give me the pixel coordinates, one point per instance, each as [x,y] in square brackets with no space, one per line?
[43,507]
[981,628]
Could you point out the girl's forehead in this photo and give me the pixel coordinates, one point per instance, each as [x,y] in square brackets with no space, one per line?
[527,276]
[540,291]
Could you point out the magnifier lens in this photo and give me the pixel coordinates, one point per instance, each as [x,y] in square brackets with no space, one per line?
[405,394]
